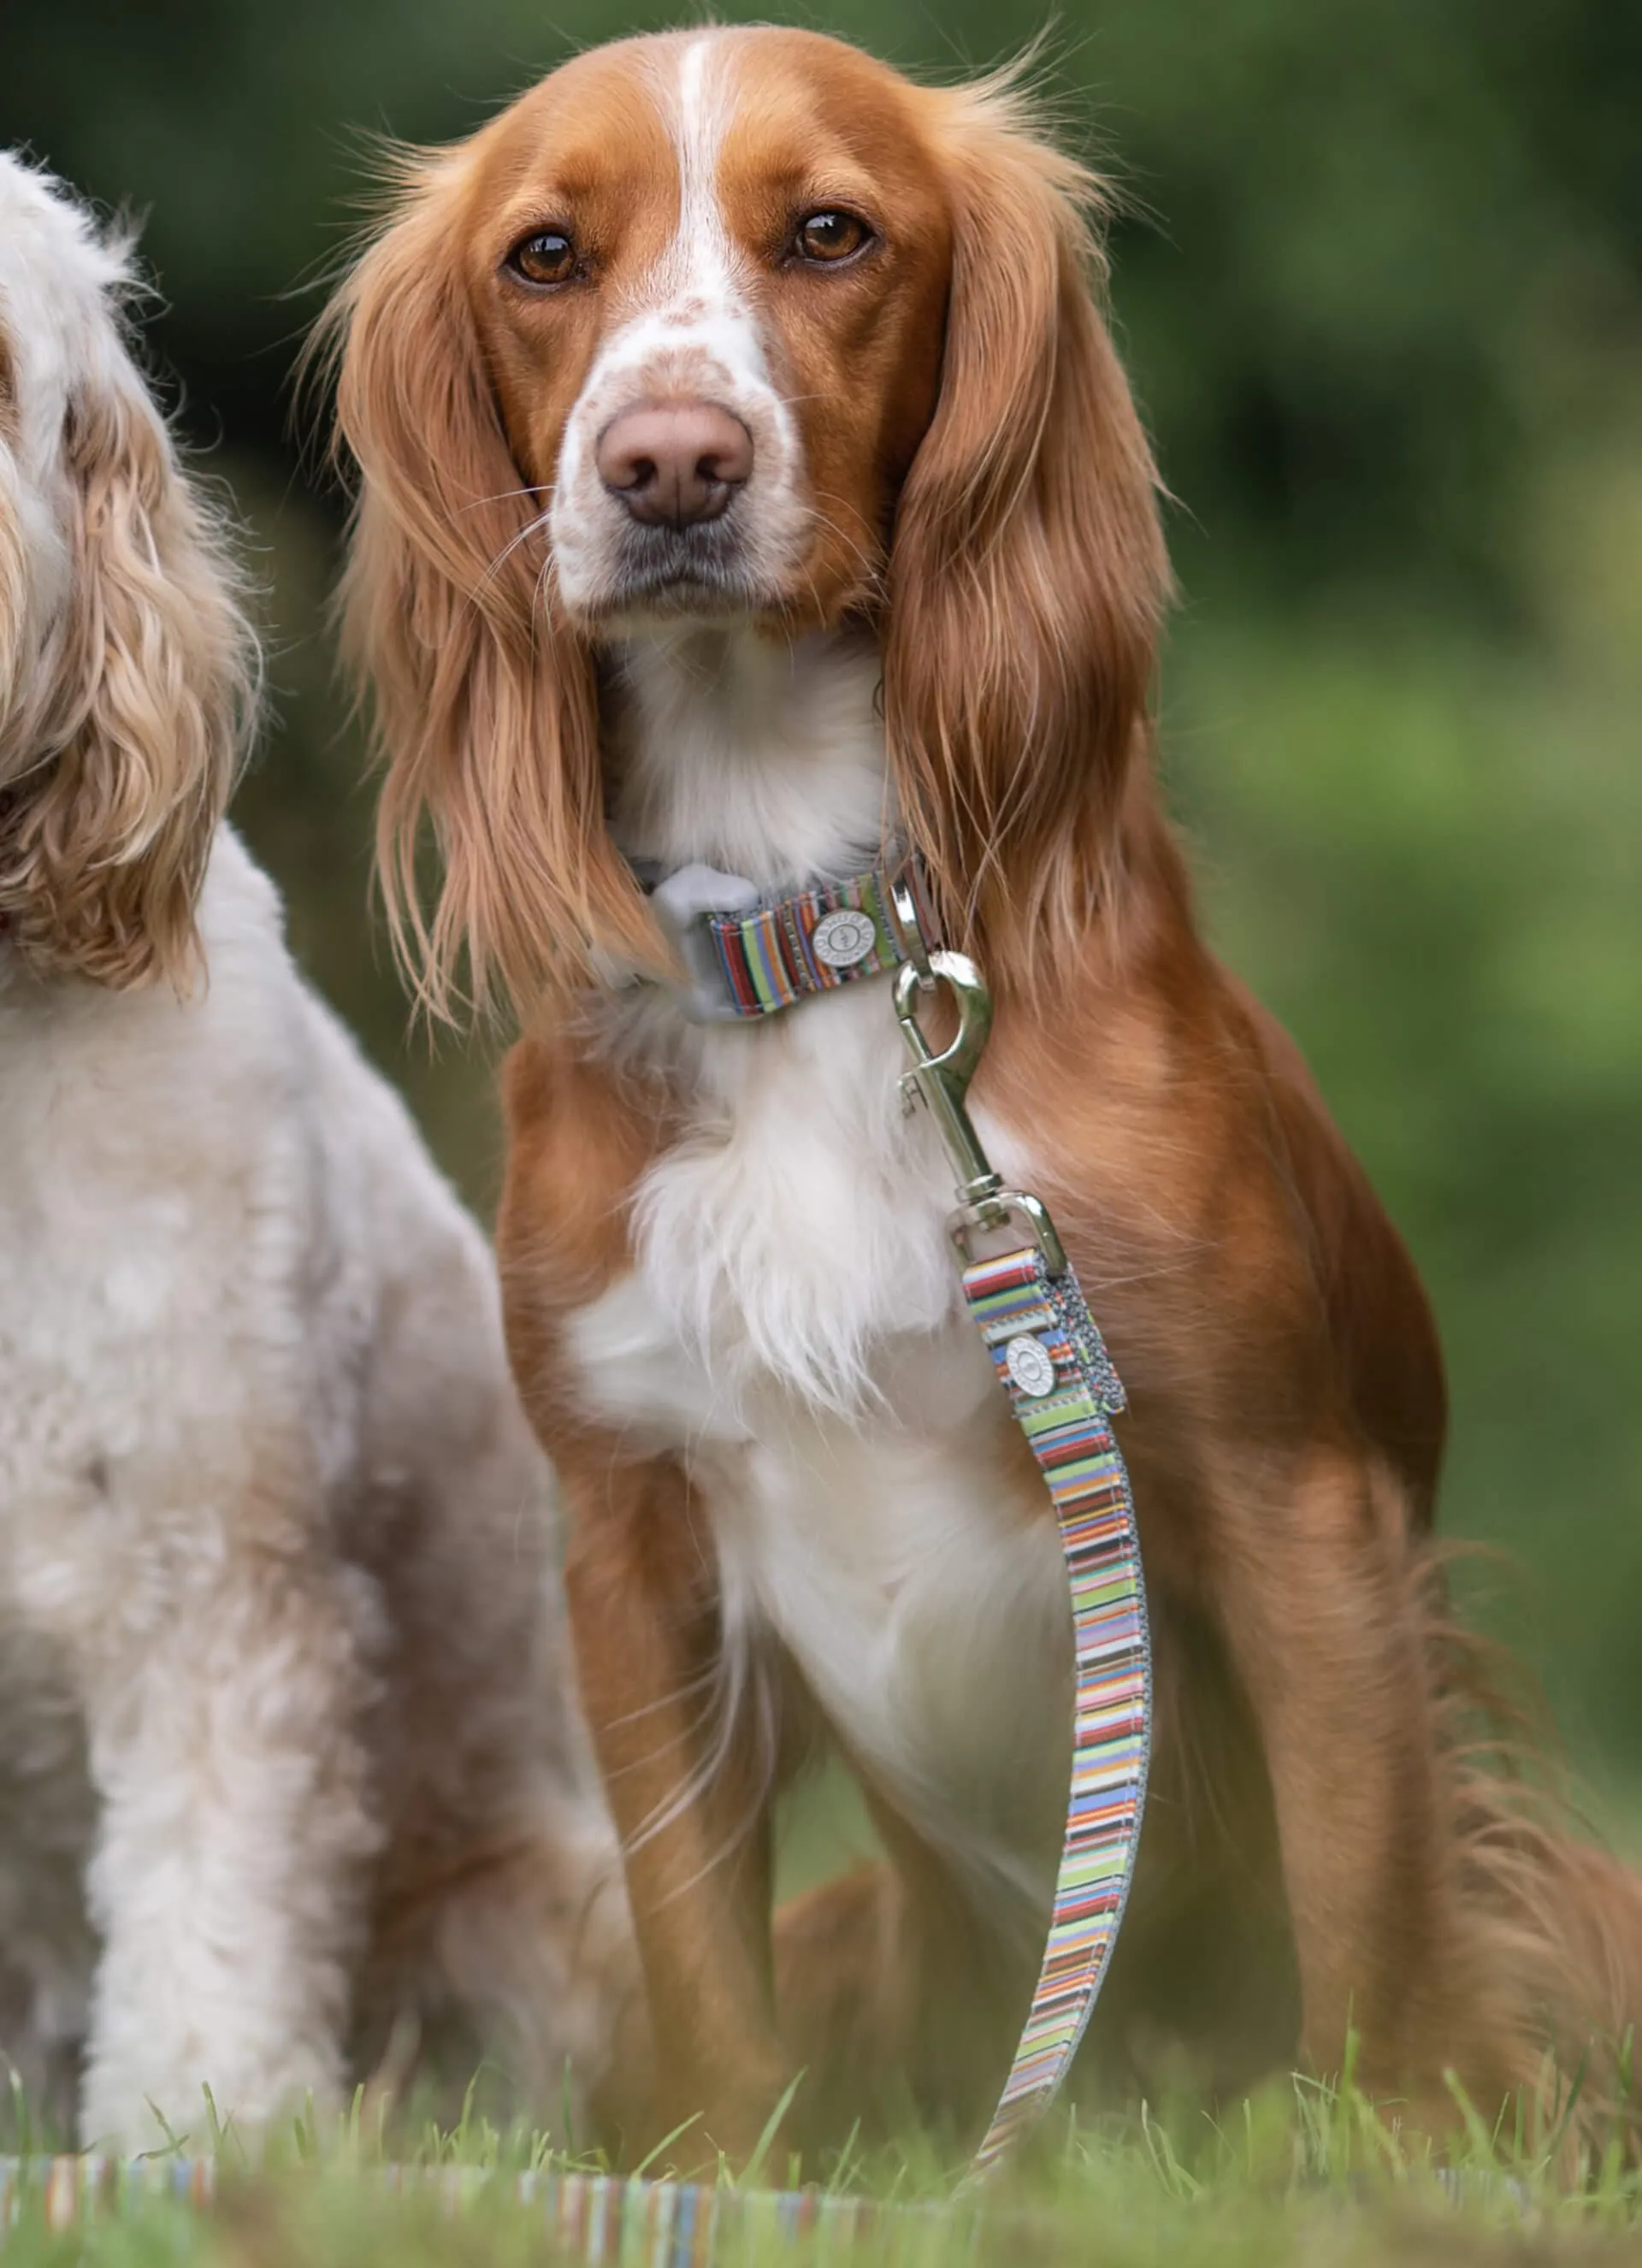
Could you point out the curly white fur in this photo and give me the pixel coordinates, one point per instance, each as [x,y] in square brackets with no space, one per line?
[284,1755]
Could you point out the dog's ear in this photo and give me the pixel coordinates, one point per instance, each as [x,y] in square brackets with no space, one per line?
[124,745]
[485,702]
[1027,573]
[13,549]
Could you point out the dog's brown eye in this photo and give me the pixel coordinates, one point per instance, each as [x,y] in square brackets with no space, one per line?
[547,257]
[829,237]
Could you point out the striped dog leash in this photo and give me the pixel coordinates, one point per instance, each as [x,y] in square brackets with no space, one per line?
[1052,1363]
[758,958]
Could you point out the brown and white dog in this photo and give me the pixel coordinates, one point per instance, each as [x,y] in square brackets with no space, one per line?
[748,480]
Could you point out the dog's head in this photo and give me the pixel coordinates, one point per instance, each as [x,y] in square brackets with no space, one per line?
[125,663]
[741,325]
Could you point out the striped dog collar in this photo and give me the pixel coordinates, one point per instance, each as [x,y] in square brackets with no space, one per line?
[748,956]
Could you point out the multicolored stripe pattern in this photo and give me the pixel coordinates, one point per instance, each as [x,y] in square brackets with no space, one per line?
[1053,1363]
[61,2191]
[602,2219]
[770,958]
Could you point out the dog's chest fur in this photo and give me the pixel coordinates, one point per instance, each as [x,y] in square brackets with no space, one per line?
[132,1269]
[155,1177]
[792,1326]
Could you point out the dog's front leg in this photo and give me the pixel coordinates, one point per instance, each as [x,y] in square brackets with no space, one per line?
[689,1791]
[229,1877]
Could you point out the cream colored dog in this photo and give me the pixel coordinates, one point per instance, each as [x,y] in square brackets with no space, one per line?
[285,1768]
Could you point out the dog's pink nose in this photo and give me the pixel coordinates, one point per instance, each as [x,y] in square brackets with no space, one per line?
[680,463]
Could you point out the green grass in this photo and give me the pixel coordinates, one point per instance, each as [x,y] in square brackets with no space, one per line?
[1302,2173]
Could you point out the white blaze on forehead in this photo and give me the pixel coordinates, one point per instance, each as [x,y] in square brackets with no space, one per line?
[687,326]
[700,253]
[693,289]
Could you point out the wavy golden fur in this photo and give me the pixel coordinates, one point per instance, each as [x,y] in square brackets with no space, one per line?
[1027,577]
[127,664]
[486,706]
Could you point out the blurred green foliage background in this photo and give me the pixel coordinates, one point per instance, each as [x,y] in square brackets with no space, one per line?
[1379,286]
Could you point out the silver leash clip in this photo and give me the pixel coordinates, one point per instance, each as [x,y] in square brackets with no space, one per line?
[903,906]
[941,1082]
